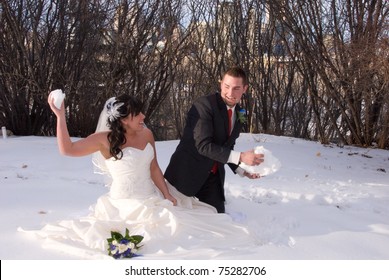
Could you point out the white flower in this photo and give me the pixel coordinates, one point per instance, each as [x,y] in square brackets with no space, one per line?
[122,248]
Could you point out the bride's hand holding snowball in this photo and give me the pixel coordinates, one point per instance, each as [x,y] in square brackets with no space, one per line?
[55,100]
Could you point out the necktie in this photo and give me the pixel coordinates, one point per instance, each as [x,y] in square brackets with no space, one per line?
[229,121]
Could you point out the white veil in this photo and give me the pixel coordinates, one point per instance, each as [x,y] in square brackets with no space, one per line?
[99,165]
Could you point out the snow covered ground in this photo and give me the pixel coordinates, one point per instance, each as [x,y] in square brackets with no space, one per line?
[324,203]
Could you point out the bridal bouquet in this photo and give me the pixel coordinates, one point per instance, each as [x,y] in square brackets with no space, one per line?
[120,247]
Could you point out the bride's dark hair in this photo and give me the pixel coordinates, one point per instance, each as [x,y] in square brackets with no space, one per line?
[116,137]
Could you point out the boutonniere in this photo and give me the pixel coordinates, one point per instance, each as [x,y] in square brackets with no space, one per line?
[242,116]
[120,247]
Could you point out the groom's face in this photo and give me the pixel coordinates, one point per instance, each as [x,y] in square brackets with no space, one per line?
[232,89]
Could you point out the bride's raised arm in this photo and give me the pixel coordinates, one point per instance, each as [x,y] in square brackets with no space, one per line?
[93,143]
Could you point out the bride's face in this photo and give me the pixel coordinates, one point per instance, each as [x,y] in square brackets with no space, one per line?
[134,122]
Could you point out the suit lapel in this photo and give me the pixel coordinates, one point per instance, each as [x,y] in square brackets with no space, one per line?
[223,112]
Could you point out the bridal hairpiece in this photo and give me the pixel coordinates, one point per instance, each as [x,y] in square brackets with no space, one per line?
[113,109]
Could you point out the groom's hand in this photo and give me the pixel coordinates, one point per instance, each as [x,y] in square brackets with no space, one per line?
[251,176]
[251,158]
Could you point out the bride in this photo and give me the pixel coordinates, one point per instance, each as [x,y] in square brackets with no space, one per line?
[139,198]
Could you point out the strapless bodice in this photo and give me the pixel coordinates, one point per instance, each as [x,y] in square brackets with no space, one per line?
[131,173]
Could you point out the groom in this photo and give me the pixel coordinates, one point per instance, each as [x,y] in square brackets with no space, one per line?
[196,168]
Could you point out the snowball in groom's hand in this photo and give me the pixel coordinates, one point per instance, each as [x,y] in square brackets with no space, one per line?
[269,166]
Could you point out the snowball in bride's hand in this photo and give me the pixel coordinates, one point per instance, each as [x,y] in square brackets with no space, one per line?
[270,165]
[58,96]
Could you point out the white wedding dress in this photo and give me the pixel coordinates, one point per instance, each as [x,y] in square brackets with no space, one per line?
[191,230]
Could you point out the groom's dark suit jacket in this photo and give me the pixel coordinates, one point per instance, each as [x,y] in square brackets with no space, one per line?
[205,140]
